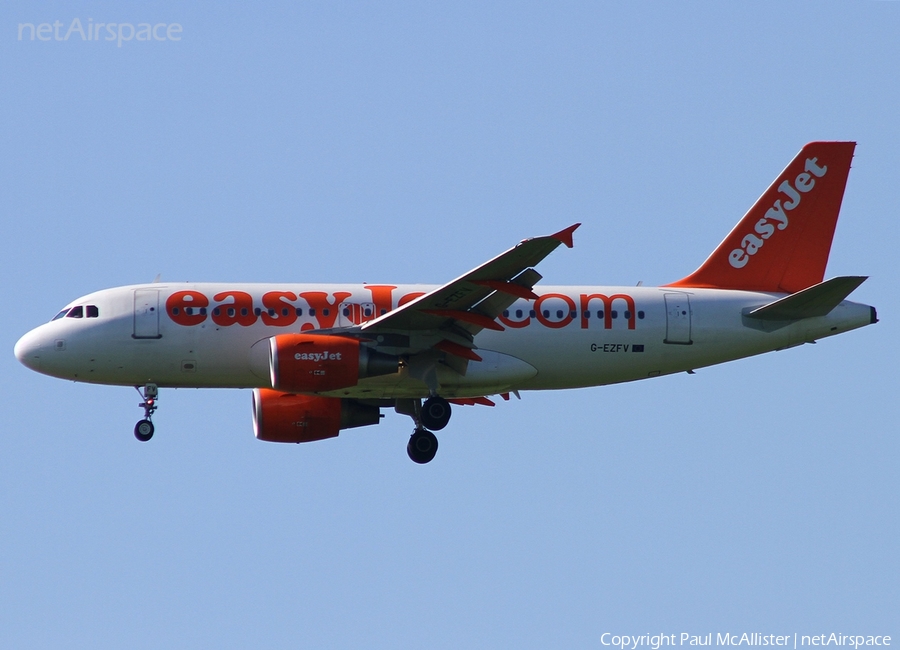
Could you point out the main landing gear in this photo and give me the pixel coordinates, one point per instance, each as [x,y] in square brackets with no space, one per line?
[433,414]
[422,446]
[143,430]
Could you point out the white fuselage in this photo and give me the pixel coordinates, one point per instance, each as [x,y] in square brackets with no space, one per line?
[570,337]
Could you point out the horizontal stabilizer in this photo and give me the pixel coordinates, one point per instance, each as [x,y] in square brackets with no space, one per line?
[817,300]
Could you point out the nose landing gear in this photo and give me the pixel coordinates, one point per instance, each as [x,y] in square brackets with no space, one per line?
[143,430]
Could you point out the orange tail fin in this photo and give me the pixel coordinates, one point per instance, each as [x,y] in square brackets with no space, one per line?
[782,243]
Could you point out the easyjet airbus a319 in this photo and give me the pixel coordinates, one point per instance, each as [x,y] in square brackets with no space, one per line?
[322,358]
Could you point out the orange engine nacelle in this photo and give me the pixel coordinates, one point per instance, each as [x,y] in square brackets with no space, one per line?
[286,417]
[315,363]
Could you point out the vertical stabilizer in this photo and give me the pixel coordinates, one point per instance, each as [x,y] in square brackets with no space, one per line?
[782,243]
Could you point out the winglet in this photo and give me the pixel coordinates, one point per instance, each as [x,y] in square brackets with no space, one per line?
[565,236]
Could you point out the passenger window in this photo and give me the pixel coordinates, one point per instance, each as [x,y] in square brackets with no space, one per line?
[531,313]
[76,312]
[61,314]
[518,313]
[599,313]
[312,311]
[92,311]
[325,312]
[506,313]
[615,314]
[299,311]
[641,315]
[627,314]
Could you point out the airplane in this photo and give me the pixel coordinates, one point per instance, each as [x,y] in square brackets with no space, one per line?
[323,358]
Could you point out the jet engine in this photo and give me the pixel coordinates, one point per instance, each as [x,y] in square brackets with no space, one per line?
[287,417]
[315,363]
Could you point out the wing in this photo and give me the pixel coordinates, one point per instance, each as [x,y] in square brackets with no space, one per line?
[448,318]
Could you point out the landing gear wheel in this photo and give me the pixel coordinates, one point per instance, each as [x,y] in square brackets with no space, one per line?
[143,430]
[422,447]
[435,413]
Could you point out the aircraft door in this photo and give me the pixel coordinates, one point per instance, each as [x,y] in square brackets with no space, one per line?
[146,314]
[354,313]
[678,318]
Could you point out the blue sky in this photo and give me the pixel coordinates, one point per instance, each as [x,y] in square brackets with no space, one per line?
[389,142]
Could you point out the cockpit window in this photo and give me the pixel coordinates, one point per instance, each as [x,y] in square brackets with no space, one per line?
[81,311]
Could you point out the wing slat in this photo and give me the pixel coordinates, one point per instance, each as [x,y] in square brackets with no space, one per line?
[479,290]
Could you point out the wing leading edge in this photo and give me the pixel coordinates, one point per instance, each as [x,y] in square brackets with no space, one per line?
[474,300]
[443,323]
[458,310]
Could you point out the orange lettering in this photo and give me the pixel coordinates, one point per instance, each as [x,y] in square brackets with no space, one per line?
[570,304]
[607,308]
[187,307]
[409,298]
[382,297]
[318,300]
[285,312]
[240,311]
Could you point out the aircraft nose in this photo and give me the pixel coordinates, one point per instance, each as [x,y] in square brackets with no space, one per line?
[28,350]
